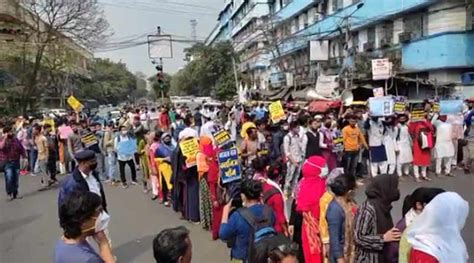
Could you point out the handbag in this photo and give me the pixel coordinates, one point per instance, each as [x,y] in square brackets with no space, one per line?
[221,193]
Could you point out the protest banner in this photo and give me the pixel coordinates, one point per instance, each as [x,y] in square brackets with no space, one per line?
[338,143]
[88,139]
[75,104]
[222,137]
[400,105]
[189,149]
[450,106]
[417,112]
[276,111]
[381,106]
[435,107]
[229,165]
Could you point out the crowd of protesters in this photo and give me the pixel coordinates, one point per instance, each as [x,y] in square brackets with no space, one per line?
[294,202]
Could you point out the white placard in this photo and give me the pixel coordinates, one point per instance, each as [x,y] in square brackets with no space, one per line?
[326,85]
[319,50]
[380,69]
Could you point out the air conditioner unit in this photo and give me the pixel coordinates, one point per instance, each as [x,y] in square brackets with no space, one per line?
[404,37]
[386,42]
[369,46]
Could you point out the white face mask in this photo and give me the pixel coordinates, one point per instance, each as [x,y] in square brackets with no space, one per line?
[324,171]
[124,132]
[102,222]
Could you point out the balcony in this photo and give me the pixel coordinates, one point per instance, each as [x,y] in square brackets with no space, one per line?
[293,9]
[447,50]
[373,10]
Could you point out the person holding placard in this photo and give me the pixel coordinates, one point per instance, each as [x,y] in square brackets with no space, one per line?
[422,137]
[378,155]
[444,148]
[404,146]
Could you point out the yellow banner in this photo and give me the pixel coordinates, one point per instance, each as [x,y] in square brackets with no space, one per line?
[189,149]
[75,104]
[276,111]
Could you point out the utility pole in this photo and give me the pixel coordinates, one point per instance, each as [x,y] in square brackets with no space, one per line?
[193,29]
[235,75]
[160,76]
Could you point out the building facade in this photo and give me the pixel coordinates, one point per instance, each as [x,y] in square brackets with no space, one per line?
[430,43]
[17,28]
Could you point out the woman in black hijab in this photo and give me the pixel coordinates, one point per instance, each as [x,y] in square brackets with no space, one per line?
[373,223]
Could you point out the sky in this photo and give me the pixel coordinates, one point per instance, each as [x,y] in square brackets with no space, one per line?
[134,19]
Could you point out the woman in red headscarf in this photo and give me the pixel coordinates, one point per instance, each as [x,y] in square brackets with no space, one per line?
[311,189]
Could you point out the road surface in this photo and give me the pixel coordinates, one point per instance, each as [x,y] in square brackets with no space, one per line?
[29,227]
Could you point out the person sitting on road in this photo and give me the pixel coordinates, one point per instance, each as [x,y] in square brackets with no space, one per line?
[79,216]
[173,245]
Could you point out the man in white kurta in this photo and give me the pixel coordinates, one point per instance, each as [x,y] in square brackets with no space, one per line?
[444,148]
[404,147]
[390,146]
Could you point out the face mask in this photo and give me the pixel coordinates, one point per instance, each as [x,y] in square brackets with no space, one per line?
[124,132]
[285,128]
[324,171]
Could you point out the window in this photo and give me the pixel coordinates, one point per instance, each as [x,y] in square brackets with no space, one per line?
[355,40]
[414,24]
[304,18]
[388,30]
[371,34]
[337,5]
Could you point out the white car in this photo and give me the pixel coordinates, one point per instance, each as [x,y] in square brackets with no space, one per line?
[58,112]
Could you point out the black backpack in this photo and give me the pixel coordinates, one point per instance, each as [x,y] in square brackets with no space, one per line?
[263,238]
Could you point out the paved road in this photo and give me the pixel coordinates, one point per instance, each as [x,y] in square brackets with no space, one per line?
[29,227]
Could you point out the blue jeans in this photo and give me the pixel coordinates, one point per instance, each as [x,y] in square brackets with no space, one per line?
[112,166]
[32,157]
[12,176]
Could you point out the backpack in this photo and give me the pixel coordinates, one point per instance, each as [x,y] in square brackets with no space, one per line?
[268,194]
[263,238]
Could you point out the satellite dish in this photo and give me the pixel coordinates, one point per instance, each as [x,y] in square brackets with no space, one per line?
[347,97]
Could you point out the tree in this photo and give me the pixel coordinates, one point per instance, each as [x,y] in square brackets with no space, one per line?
[53,23]
[209,72]
[110,82]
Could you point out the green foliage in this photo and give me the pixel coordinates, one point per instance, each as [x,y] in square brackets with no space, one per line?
[110,83]
[209,73]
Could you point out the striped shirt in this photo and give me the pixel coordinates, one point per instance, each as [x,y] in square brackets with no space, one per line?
[369,244]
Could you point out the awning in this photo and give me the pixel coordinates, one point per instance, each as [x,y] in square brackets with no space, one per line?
[300,94]
[320,106]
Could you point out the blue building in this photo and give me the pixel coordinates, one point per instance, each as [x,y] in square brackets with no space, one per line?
[430,43]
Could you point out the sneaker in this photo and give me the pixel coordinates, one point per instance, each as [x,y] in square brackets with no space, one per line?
[450,175]
[426,178]
[167,204]
[124,185]
[134,183]
[154,197]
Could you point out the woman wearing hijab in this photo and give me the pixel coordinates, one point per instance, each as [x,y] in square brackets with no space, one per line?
[205,204]
[413,205]
[163,160]
[311,189]
[435,235]
[373,222]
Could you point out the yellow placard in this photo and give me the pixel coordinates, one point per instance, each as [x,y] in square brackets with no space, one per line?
[75,104]
[222,137]
[50,122]
[276,111]
[189,149]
